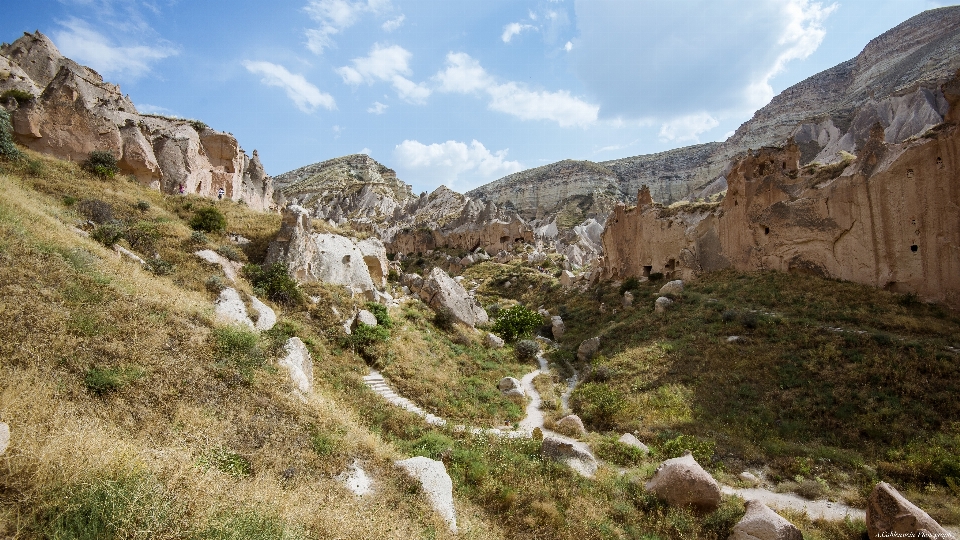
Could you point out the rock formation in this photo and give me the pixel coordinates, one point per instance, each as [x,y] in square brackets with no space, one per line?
[890,515]
[298,363]
[74,112]
[762,523]
[571,425]
[683,482]
[441,292]
[511,387]
[575,454]
[886,219]
[437,484]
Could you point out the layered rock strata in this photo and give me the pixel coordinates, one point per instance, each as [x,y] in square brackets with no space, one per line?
[73,112]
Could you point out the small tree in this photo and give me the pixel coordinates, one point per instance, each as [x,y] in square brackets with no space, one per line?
[208,219]
[274,282]
[8,150]
[101,163]
[516,322]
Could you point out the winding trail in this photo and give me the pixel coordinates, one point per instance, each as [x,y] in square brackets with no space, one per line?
[534,418]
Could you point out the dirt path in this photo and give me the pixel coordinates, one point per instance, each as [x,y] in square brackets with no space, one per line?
[820,509]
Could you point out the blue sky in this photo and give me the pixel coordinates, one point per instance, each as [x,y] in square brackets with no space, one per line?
[459,92]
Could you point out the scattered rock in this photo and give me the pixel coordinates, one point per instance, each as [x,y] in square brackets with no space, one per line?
[365,317]
[630,440]
[229,309]
[661,304]
[683,482]
[557,326]
[414,282]
[440,291]
[229,267]
[356,480]
[672,287]
[627,299]
[266,318]
[734,339]
[299,364]
[571,425]
[749,478]
[889,514]
[493,341]
[436,483]
[567,278]
[762,523]
[574,454]
[124,252]
[4,437]
[588,348]
[511,387]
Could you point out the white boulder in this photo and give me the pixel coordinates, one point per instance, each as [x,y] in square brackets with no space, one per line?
[266,318]
[4,437]
[588,348]
[762,523]
[661,304]
[229,309]
[299,364]
[630,439]
[683,482]
[511,387]
[440,291]
[557,326]
[493,341]
[672,287]
[435,481]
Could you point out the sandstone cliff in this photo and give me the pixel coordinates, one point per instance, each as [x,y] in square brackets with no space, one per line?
[889,218]
[894,80]
[73,112]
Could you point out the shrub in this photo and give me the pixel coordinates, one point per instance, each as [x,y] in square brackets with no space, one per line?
[443,319]
[215,284]
[96,210]
[227,462]
[102,381]
[393,276]
[232,253]
[370,343]
[631,284]
[197,125]
[516,322]
[159,266]
[597,404]
[526,349]
[274,282]
[8,150]
[702,450]
[34,167]
[108,234]
[656,276]
[239,348]
[198,237]
[142,205]
[22,96]
[142,236]
[208,219]
[101,163]
[380,312]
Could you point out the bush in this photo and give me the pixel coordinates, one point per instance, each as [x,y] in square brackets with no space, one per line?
[108,234]
[656,276]
[597,404]
[159,266]
[702,450]
[142,236]
[516,322]
[208,219]
[380,312]
[227,462]
[239,348]
[370,343]
[197,237]
[142,205]
[631,284]
[102,381]
[101,163]
[215,284]
[22,96]
[232,253]
[96,210]
[197,125]
[274,282]
[8,150]
[443,319]
[526,349]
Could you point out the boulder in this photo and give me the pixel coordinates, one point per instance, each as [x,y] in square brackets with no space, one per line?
[365,317]
[440,291]
[414,282]
[229,309]
[661,304]
[575,454]
[229,267]
[627,299]
[588,348]
[889,514]
[493,341]
[748,478]
[683,482]
[511,387]
[299,364]
[557,326]
[630,440]
[672,287]
[567,278]
[436,483]
[4,437]
[266,318]
[571,425]
[762,523]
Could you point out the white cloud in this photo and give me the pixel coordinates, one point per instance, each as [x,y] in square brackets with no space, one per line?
[366,151]
[390,64]
[146,108]
[393,24]
[334,16]
[448,162]
[687,128]
[377,108]
[78,41]
[465,75]
[306,96]
[513,29]
[568,47]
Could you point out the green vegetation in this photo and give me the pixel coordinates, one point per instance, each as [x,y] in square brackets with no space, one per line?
[102,164]
[274,282]
[102,381]
[526,349]
[516,322]
[8,150]
[208,219]
[22,96]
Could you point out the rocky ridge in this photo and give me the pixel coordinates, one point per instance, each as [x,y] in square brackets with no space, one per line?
[73,112]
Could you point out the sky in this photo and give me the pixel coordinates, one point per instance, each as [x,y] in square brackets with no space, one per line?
[458,92]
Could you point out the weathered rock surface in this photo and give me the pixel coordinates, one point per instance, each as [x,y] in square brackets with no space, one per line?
[588,349]
[683,482]
[493,341]
[672,287]
[266,318]
[436,483]
[878,220]
[762,523]
[662,304]
[511,387]
[566,278]
[627,299]
[299,364]
[230,309]
[889,514]
[571,425]
[557,328]
[630,439]
[230,268]
[573,453]
[356,480]
[326,257]
[75,112]
[440,291]
[4,437]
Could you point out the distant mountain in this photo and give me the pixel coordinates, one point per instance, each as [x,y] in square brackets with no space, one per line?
[894,81]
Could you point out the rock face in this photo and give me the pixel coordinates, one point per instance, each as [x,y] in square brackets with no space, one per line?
[299,364]
[762,523]
[588,349]
[433,476]
[326,257]
[683,482]
[440,291]
[511,387]
[878,220]
[75,112]
[889,514]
